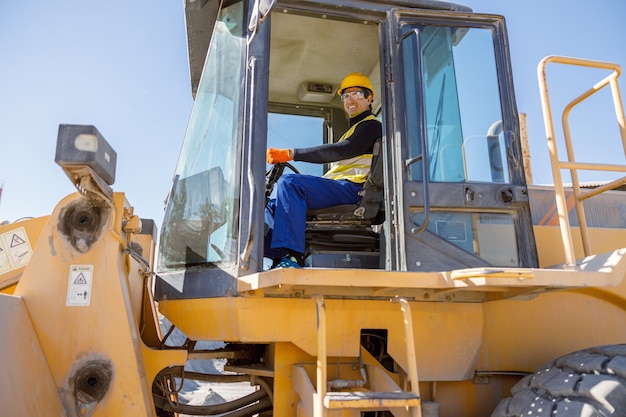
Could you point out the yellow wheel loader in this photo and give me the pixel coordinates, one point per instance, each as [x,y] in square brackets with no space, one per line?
[455,288]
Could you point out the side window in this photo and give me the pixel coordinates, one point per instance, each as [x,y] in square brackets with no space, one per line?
[465,139]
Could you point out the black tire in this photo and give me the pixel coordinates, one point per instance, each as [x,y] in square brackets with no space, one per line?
[587,383]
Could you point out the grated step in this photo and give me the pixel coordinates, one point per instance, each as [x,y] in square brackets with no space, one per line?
[370,400]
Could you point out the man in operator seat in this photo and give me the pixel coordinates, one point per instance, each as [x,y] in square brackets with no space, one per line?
[285,215]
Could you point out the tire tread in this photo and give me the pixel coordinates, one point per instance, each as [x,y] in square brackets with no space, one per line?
[586,383]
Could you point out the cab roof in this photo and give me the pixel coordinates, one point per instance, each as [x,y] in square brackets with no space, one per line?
[200,17]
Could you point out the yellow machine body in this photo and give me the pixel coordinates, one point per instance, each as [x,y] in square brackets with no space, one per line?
[467,334]
[87,317]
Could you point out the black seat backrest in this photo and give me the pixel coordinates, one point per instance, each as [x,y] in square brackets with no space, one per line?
[371,204]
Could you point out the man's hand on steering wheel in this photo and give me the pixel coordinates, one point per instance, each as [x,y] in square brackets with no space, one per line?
[280,159]
[278,156]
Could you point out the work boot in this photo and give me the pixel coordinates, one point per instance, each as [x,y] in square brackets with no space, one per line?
[288,261]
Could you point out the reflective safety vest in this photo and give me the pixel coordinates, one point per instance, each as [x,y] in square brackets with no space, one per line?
[353,169]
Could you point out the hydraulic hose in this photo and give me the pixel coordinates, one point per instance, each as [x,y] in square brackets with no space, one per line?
[241,407]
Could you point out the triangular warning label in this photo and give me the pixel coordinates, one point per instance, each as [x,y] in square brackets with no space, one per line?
[16,240]
[80,279]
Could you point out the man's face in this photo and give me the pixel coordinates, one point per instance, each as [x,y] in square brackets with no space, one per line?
[354,101]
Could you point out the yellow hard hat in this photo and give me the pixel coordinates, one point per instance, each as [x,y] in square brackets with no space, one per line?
[356,79]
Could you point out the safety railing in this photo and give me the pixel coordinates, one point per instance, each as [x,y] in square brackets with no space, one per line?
[570,163]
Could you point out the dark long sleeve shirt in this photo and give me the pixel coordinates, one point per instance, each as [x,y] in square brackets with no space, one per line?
[359,143]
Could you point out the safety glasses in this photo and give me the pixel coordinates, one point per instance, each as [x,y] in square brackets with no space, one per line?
[353,95]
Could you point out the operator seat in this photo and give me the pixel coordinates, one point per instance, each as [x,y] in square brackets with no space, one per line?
[343,236]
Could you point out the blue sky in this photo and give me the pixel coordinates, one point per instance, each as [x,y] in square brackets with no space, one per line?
[122,66]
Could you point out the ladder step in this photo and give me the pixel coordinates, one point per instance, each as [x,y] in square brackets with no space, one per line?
[370,400]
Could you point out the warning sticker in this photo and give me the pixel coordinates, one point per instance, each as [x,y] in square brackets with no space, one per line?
[15,250]
[5,264]
[79,285]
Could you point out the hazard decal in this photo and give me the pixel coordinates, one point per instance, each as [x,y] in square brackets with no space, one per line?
[79,285]
[15,250]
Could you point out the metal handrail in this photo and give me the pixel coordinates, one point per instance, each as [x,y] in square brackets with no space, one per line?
[423,138]
[411,356]
[571,164]
[321,368]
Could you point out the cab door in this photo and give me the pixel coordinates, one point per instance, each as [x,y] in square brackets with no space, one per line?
[460,192]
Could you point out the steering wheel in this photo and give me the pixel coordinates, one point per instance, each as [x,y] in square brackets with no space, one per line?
[272,176]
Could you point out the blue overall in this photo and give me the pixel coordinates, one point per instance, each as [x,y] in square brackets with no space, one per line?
[285,215]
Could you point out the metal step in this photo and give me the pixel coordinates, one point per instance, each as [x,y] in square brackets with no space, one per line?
[370,400]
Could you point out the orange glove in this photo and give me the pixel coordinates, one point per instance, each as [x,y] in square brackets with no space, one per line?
[276,156]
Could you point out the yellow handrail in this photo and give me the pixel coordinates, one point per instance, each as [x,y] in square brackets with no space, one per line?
[411,357]
[320,308]
[571,164]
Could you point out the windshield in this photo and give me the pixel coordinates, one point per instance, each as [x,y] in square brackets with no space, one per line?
[200,226]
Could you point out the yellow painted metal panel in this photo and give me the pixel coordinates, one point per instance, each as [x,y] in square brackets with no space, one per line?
[524,334]
[465,285]
[285,397]
[442,330]
[550,245]
[26,384]
[103,325]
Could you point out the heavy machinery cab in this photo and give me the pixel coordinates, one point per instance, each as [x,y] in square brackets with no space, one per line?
[454,188]
[473,314]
